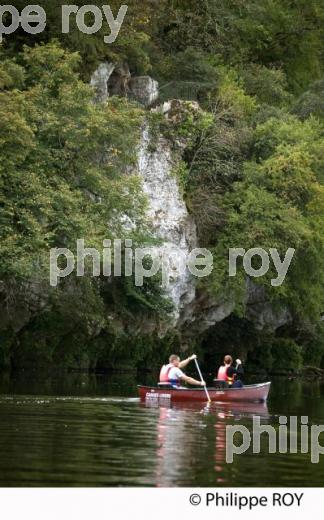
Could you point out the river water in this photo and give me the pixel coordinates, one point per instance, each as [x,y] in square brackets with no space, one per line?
[91,430]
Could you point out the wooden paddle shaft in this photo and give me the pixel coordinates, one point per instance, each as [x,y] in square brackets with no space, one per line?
[201,378]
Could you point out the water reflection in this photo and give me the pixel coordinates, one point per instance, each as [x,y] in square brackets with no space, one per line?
[183,430]
[91,430]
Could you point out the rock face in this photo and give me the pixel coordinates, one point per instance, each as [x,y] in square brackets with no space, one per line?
[144,89]
[260,311]
[169,216]
[170,220]
[115,80]
[203,314]
[195,312]
[99,80]
[206,311]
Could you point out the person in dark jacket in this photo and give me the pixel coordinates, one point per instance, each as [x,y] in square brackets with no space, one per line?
[232,375]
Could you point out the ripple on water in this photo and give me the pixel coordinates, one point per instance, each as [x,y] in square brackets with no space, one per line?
[116,441]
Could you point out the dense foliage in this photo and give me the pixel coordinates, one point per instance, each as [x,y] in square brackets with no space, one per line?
[252,172]
[64,176]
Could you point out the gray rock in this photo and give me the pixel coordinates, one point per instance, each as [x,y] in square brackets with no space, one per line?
[99,80]
[204,313]
[115,80]
[261,312]
[144,89]
[170,220]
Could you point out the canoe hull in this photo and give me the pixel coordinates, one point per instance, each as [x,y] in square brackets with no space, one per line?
[249,393]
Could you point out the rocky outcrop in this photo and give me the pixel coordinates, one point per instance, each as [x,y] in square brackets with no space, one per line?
[203,314]
[195,312]
[115,80]
[206,311]
[99,80]
[175,110]
[261,312]
[170,220]
[169,217]
[144,89]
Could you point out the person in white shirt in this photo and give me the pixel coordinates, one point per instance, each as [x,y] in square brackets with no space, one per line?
[172,374]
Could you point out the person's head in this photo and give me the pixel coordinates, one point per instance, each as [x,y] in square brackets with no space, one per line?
[228,360]
[174,360]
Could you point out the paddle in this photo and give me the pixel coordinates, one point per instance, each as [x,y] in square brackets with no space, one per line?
[201,378]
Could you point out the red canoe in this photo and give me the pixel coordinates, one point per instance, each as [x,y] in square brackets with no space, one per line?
[250,393]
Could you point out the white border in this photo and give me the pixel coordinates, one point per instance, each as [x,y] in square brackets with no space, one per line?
[145,504]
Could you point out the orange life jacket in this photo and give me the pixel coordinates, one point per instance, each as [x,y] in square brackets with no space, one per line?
[222,375]
[165,376]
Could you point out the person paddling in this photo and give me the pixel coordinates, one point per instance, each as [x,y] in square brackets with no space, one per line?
[230,374]
[171,374]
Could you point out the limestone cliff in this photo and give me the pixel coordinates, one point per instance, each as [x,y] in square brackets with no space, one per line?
[169,217]
[170,220]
